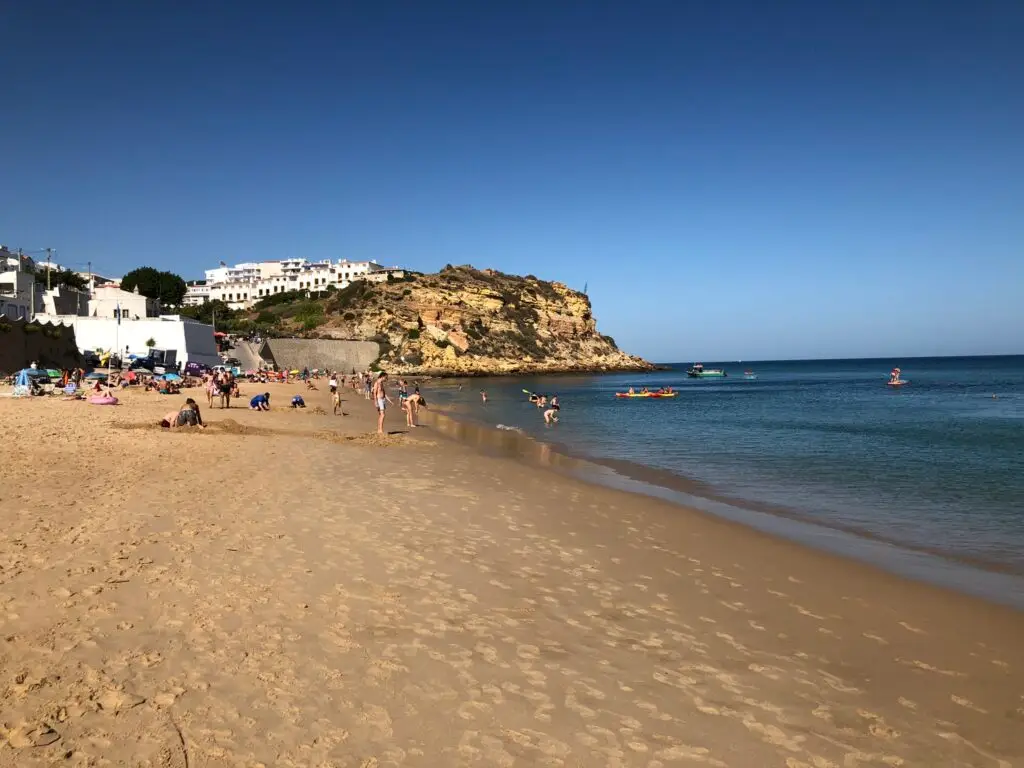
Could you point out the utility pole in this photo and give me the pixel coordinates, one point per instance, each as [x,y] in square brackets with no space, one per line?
[49,253]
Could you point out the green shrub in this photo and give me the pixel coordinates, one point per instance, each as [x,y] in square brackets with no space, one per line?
[350,315]
[279,298]
[267,318]
[406,291]
[443,343]
[413,334]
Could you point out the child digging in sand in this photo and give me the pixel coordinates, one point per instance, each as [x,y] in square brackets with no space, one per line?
[187,416]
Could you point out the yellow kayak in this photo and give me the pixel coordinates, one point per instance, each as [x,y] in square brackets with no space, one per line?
[645,394]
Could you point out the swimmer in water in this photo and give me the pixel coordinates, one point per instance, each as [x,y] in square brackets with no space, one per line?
[483,396]
[551,414]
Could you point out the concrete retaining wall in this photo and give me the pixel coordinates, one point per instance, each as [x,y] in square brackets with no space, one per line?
[328,354]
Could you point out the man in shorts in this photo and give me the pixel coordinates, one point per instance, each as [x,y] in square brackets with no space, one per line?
[380,399]
[226,383]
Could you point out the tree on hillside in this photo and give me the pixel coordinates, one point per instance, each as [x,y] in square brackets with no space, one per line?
[168,287]
[61,277]
[204,312]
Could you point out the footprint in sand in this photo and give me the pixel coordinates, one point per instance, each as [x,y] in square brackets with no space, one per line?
[968,705]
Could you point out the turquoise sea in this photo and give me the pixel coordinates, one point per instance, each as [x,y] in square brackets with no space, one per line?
[934,468]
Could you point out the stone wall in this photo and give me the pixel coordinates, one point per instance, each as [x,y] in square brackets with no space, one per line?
[330,354]
[22,343]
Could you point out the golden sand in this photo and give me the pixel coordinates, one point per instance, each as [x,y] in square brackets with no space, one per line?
[289,589]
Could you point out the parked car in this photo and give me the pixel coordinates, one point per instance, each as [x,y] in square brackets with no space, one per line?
[196,369]
[91,359]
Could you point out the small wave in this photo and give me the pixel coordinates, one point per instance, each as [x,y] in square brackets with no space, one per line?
[510,429]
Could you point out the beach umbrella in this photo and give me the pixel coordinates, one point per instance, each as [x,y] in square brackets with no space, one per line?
[96,375]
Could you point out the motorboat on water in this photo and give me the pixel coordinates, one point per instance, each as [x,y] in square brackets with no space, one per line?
[698,371]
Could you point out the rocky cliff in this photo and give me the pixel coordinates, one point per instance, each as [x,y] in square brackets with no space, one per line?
[464,321]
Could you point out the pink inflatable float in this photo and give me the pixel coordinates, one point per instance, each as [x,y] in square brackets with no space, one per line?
[103,400]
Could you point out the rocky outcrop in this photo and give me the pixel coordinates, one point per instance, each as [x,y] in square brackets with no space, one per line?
[464,321]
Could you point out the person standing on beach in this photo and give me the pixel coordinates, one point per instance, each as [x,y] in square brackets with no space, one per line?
[380,399]
[226,385]
[332,383]
[412,406]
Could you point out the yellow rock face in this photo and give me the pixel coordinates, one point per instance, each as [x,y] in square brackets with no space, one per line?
[464,321]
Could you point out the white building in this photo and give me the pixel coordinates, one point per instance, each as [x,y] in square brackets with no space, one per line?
[191,341]
[22,295]
[196,292]
[243,285]
[108,300]
[62,300]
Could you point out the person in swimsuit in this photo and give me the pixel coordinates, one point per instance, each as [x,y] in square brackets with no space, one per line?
[483,396]
[380,399]
[260,402]
[551,414]
[187,416]
[412,406]
[226,384]
[332,383]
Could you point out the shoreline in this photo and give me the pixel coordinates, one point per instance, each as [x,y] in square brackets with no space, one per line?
[289,589]
[993,582]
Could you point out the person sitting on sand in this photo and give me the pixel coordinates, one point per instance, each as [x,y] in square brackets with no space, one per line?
[187,416]
[411,406]
[260,402]
[298,402]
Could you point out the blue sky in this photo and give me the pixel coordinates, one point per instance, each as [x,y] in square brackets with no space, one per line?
[733,180]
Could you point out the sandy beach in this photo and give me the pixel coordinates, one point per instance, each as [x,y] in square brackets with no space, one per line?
[288,589]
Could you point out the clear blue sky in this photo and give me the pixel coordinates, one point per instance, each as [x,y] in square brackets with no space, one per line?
[733,179]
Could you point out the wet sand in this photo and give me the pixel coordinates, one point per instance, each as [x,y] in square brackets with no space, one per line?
[286,589]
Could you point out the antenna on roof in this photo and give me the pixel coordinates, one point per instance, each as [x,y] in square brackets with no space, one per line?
[585,285]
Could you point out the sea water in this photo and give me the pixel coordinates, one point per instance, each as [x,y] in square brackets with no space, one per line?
[936,466]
